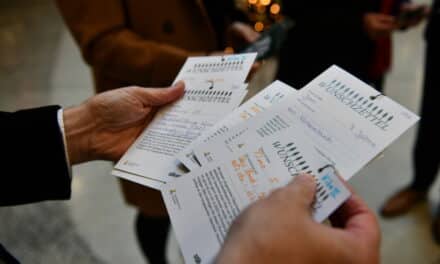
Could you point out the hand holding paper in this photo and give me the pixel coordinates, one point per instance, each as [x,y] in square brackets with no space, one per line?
[214,87]
[244,156]
[335,121]
[294,237]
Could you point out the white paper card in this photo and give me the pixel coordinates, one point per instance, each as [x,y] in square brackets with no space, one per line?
[176,126]
[217,69]
[337,114]
[270,95]
[217,194]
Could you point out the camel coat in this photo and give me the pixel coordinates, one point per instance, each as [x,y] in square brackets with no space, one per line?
[138,42]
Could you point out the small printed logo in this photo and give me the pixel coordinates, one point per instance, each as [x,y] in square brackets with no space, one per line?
[197,259]
[130,163]
[207,156]
[174,198]
[174,174]
[331,186]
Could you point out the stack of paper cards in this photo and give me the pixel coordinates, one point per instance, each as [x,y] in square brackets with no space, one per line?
[269,96]
[335,123]
[214,87]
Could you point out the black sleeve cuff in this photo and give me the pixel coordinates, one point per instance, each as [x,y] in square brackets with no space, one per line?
[34,166]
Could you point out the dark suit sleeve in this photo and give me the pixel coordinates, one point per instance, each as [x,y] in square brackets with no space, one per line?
[325,33]
[33,161]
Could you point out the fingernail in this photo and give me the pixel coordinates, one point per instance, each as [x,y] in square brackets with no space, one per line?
[179,83]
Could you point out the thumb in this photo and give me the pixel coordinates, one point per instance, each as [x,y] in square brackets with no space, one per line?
[160,96]
[302,189]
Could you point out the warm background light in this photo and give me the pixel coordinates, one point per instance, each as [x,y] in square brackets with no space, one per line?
[259,26]
[265,2]
[275,8]
[261,13]
[261,9]
[229,50]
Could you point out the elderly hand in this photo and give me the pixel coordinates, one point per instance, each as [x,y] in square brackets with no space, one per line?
[105,126]
[280,229]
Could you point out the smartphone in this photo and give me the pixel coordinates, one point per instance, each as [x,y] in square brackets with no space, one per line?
[269,43]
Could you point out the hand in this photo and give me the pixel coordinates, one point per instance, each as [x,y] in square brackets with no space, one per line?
[414,20]
[107,124]
[280,229]
[379,25]
[239,35]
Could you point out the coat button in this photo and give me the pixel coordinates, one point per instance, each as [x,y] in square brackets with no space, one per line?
[168,27]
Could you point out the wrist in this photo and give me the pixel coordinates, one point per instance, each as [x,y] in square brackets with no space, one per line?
[78,127]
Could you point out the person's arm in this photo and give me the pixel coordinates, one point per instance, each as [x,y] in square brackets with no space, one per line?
[34,158]
[105,126]
[33,162]
[110,47]
[280,229]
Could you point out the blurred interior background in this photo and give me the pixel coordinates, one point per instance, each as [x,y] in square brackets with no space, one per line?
[40,64]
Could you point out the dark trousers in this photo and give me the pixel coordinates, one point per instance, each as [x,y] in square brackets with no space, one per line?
[426,152]
[152,235]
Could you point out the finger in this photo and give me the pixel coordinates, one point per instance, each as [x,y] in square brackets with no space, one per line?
[358,220]
[302,190]
[386,19]
[160,96]
[385,30]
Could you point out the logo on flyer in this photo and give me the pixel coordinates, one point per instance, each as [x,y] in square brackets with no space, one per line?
[173,194]
[197,259]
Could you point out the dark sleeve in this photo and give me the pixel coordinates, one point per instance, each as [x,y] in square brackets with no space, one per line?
[325,33]
[338,17]
[33,161]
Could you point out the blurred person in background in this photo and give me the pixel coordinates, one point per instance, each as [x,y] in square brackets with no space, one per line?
[145,43]
[392,15]
[426,159]
[354,35]
[331,32]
